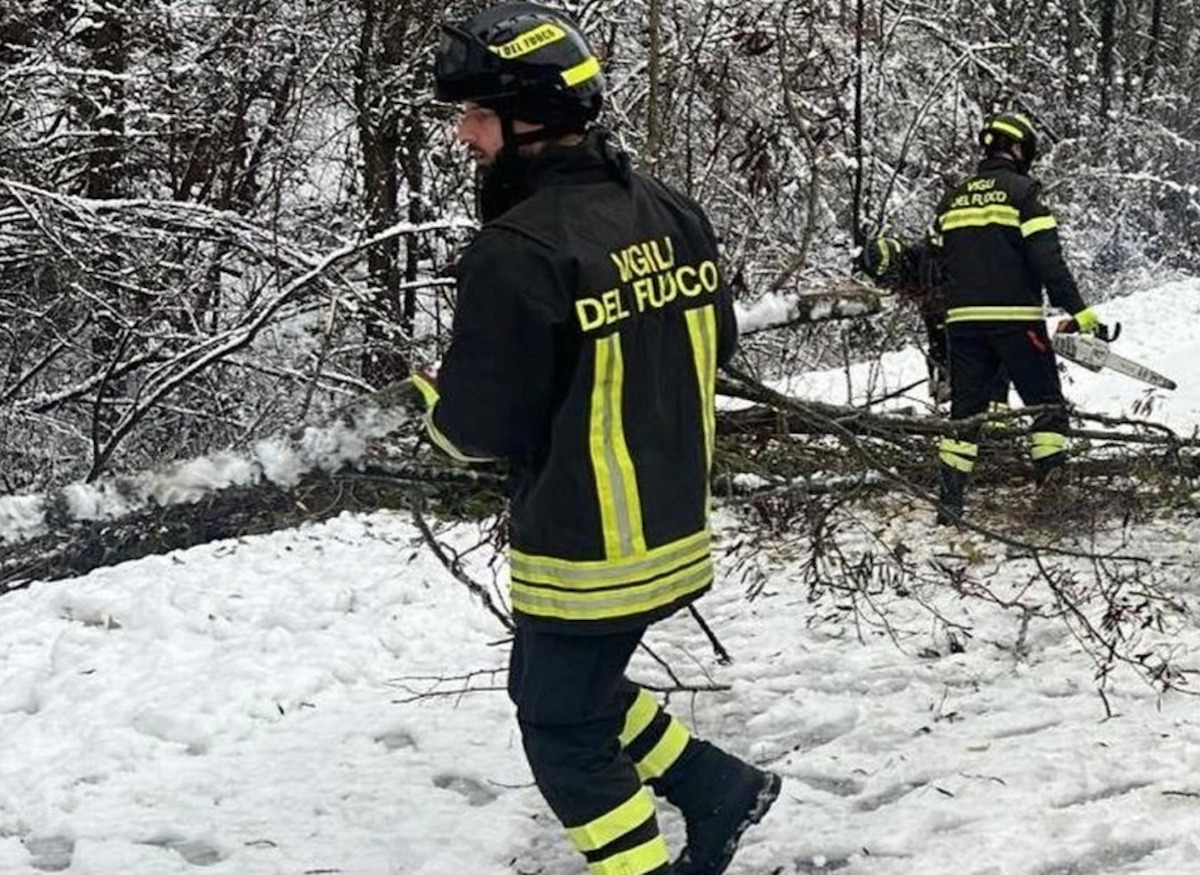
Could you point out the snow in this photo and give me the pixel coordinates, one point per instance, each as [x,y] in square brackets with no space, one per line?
[278,460]
[327,699]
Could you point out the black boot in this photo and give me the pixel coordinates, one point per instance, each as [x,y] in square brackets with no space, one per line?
[1048,471]
[952,486]
[720,797]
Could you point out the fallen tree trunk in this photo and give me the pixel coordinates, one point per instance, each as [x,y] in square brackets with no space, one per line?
[779,447]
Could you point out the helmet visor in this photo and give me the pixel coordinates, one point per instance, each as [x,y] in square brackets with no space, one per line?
[466,70]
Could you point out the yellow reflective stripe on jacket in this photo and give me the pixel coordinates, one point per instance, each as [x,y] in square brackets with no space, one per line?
[576,604]
[611,825]
[995,314]
[638,717]
[664,754]
[645,858]
[612,466]
[430,394]
[1039,223]
[702,326]
[600,573]
[978,217]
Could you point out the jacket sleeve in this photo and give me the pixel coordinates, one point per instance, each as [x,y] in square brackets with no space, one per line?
[1040,230]
[496,379]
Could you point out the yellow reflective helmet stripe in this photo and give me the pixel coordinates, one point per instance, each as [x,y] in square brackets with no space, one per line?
[613,824]
[664,754]
[612,465]
[1005,128]
[530,41]
[1041,223]
[581,72]
[539,37]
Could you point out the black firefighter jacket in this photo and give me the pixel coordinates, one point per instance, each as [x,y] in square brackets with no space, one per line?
[590,324]
[1001,247]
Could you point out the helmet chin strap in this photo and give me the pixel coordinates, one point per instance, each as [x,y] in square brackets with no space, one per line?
[507,181]
[513,141]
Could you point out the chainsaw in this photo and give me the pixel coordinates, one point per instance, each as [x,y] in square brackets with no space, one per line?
[1092,352]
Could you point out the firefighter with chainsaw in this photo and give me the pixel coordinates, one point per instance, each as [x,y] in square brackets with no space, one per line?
[591,319]
[914,271]
[1001,249]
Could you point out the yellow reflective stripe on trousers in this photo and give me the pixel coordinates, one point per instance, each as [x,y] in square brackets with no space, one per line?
[959,455]
[702,326]
[1045,443]
[995,314]
[601,573]
[616,481]
[979,217]
[638,717]
[1041,223]
[625,818]
[566,604]
[663,755]
[645,858]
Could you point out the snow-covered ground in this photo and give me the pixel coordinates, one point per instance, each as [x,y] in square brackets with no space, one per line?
[329,700]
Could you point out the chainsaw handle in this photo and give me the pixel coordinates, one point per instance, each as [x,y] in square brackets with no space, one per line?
[1108,333]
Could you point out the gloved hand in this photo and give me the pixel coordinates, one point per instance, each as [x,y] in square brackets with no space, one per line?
[418,392]
[1084,322]
[880,260]
[426,384]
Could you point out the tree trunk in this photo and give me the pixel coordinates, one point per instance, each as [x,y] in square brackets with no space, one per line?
[1108,23]
[654,72]
[380,51]
[104,180]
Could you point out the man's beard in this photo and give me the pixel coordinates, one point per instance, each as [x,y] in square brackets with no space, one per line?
[501,185]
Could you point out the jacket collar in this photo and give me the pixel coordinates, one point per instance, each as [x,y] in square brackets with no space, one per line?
[513,179]
[993,163]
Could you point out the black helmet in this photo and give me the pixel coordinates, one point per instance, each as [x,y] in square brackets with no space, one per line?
[1010,127]
[524,61]
[880,259]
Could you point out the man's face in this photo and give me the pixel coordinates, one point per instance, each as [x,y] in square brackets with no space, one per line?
[480,131]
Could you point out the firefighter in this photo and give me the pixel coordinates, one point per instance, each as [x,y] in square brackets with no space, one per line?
[1000,248]
[914,271]
[591,319]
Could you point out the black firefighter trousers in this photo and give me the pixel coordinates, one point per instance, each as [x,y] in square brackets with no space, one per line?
[595,740]
[1023,350]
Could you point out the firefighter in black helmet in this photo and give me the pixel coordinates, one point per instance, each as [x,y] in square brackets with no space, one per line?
[590,323]
[1001,249]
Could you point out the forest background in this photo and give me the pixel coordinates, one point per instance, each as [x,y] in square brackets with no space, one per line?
[221,218]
